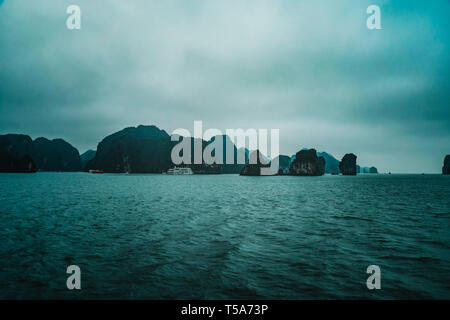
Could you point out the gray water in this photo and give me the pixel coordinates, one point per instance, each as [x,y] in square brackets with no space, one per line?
[226,236]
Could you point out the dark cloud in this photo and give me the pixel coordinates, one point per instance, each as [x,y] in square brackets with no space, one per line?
[311,69]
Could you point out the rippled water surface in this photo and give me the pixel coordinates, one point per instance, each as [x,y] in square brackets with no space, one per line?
[214,237]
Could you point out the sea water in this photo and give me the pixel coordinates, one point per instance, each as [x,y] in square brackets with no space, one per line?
[224,236]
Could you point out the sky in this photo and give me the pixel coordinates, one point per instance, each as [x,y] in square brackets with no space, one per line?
[311,69]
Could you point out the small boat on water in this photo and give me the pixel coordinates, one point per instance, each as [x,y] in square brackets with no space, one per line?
[96,171]
[180,171]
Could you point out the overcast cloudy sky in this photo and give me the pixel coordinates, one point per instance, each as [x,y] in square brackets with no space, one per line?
[310,68]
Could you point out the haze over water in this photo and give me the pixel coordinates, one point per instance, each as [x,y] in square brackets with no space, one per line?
[226,236]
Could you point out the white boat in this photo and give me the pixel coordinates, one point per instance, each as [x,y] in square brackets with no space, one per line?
[179,171]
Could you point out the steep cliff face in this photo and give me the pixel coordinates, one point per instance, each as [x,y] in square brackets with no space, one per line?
[331,163]
[446,167]
[139,132]
[284,163]
[40,154]
[373,170]
[86,157]
[10,163]
[237,156]
[17,145]
[321,166]
[348,165]
[370,170]
[143,149]
[307,163]
[256,162]
[55,155]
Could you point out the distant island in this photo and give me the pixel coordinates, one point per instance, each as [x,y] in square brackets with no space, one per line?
[147,149]
[446,167]
[19,153]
